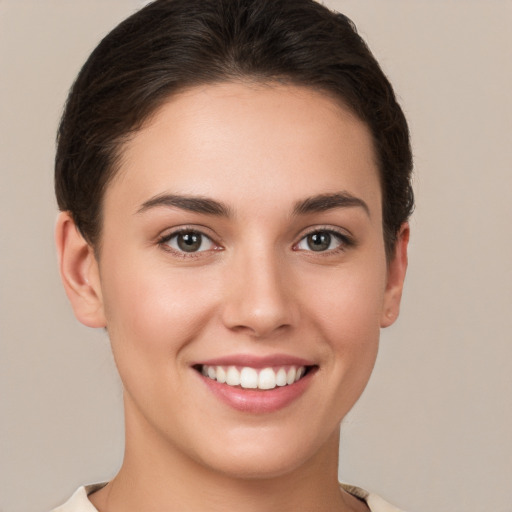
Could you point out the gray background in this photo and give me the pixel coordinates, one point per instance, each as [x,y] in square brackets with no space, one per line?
[433,432]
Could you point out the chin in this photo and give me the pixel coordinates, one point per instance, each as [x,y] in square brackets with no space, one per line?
[261,467]
[266,456]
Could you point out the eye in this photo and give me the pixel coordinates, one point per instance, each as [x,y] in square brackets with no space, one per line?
[322,240]
[188,241]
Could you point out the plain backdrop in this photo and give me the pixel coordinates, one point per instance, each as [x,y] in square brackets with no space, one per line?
[433,431]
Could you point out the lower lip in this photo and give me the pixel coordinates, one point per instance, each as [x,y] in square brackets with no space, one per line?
[258,401]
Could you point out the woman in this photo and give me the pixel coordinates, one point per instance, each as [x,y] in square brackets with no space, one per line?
[234,185]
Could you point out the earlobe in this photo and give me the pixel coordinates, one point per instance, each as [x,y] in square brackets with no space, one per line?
[397,268]
[79,272]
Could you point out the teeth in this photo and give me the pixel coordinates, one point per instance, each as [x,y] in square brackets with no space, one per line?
[233,376]
[290,376]
[250,378]
[281,377]
[221,374]
[267,379]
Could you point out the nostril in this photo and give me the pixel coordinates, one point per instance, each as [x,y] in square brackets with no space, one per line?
[260,301]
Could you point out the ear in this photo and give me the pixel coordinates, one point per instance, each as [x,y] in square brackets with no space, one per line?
[395,280]
[79,272]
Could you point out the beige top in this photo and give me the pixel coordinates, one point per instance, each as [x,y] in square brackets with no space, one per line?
[80,503]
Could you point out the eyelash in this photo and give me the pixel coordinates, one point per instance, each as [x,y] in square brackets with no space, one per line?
[344,240]
[164,240]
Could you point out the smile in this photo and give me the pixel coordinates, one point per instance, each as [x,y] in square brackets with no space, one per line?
[255,384]
[247,377]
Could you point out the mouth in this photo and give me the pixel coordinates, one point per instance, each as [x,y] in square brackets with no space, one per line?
[248,377]
[255,384]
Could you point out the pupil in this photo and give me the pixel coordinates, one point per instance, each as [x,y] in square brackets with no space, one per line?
[319,241]
[189,242]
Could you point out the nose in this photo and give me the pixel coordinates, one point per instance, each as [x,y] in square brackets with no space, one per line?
[259,298]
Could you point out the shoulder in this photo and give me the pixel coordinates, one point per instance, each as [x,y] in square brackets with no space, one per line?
[79,501]
[375,503]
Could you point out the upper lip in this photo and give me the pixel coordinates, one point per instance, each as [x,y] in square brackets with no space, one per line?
[254,361]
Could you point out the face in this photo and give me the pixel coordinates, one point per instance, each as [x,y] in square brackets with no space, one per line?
[243,276]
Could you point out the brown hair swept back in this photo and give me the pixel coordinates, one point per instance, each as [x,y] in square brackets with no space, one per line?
[171,45]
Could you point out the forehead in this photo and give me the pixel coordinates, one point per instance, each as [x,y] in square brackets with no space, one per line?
[244,141]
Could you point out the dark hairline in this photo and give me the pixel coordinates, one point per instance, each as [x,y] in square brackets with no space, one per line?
[119,144]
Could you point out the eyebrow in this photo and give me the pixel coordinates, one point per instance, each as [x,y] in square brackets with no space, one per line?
[195,204]
[324,202]
[204,205]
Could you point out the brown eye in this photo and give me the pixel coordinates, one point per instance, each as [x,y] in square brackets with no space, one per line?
[190,241]
[322,241]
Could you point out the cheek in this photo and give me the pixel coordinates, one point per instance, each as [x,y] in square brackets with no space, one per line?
[348,303]
[154,312]
[347,311]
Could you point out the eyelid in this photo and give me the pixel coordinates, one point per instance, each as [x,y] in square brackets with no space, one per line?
[167,235]
[346,239]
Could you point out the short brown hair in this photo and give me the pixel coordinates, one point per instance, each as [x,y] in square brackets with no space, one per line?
[171,45]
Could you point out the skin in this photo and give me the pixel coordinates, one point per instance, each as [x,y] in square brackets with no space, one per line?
[257,288]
